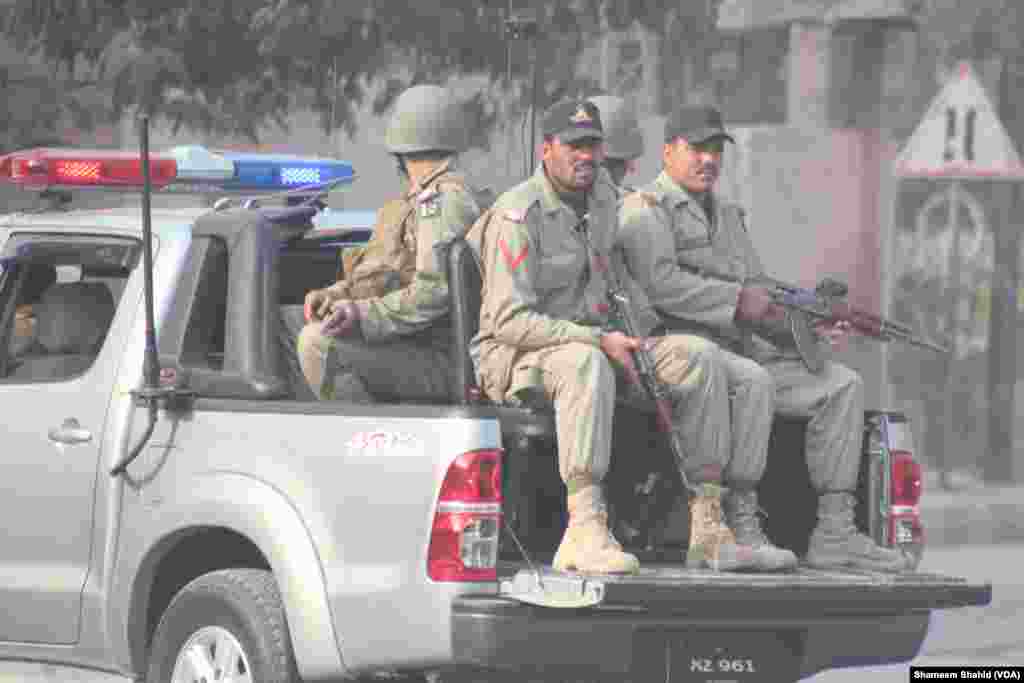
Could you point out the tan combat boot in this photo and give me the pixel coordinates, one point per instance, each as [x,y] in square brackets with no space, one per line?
[587,545]
[836,543]
[712,543]
[741,514]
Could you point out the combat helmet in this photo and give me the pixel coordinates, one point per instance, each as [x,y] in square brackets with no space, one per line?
[425,118]
[623,138]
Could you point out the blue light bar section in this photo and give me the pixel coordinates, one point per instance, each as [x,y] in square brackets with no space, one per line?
[269,172]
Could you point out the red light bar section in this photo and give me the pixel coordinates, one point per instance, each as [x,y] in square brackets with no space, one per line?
[97,168]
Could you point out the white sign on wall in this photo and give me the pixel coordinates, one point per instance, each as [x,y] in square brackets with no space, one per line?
[960,136]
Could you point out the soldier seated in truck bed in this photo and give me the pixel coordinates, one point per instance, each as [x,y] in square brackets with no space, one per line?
[381,331]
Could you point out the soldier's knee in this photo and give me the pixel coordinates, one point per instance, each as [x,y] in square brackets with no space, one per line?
[594,369]
[309,338]
[761,380]
[847,380]
[312,346]
[702,356]
[693,350]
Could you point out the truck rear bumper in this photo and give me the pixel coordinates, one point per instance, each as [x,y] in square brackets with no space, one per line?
[498,633]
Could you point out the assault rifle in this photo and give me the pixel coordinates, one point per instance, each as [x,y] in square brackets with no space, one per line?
[825,303]
[622,309]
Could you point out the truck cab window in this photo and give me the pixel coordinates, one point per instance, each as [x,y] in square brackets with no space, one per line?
[59,300]
[203,345]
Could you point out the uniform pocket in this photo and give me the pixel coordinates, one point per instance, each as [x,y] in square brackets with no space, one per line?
[558,271]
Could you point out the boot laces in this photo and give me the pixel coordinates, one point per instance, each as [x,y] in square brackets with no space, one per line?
[744,520]
[713,523]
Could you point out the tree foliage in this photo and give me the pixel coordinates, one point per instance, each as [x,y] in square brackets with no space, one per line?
[237,65]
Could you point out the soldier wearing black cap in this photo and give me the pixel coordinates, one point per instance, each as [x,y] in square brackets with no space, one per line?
[677,219]
[546,334]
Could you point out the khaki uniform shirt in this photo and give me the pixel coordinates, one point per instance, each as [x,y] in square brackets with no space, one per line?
[542,286]
[662,225]
[399,280]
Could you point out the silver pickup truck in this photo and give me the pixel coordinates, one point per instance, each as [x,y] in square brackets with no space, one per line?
[238,532]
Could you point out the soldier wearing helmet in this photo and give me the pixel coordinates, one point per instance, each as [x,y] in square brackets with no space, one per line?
[380,331]
[623,139]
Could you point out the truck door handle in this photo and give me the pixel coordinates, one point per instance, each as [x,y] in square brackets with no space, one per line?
[70,432]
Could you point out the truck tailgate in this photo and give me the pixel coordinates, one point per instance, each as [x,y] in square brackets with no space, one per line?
[805,590]
[673,588]
[670,623]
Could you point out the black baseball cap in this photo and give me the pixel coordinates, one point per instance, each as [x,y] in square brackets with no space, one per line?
[695,125]
[572,120]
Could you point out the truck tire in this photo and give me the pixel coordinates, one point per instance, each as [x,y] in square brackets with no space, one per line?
[227,626]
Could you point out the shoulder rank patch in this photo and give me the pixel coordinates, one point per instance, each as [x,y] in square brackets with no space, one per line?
[426,194]
[430,208]
[642,199]
[429,202]
[514,215]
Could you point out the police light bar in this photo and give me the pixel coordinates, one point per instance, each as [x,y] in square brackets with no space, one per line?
[264,172]
[183,169]
[56,167]
[195,162]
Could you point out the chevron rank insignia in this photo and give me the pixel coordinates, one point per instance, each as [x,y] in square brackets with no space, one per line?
[513,258]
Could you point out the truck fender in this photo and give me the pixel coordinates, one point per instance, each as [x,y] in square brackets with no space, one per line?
[261,513]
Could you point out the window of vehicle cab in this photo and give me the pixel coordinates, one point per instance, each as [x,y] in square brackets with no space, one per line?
[58,296]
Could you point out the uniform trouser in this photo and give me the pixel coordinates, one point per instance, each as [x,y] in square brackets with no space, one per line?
[834,402]
[351,369]
[292,322]
[581,383]
[751,402]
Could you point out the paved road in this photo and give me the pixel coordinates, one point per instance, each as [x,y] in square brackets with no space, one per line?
[992,635]
[966,637]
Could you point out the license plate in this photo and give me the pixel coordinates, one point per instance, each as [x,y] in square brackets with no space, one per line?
[718,656]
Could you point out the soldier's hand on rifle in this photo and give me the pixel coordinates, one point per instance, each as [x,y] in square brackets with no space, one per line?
[755,306]
[620,347]
[343,319]
[317,305]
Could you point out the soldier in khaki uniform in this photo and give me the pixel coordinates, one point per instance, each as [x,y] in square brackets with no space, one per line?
[545,335]
[678,218]
[382,332]
[750,401]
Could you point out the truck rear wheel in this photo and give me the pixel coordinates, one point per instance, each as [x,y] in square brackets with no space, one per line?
[227,626]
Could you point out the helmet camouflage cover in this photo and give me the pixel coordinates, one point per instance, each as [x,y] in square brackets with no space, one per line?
[425,118]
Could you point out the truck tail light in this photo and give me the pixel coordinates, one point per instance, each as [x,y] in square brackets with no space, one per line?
[467,523]
[905,529]
[906,479]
